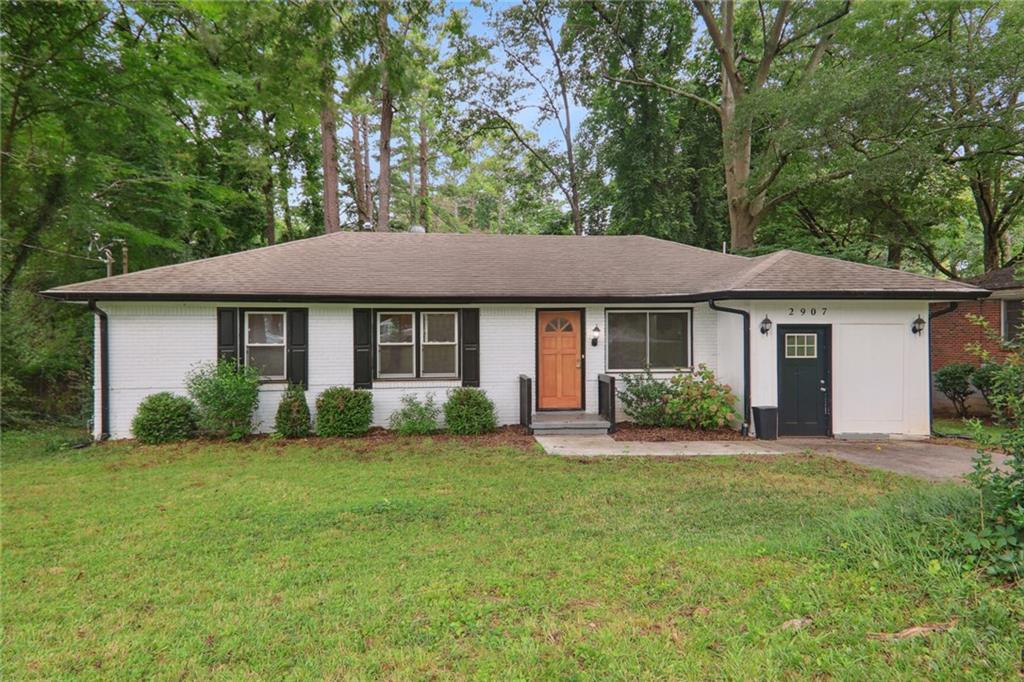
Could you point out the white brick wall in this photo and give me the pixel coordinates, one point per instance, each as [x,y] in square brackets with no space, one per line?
[154,345]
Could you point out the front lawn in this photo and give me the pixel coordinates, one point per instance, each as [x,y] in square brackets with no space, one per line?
[431,558]
[962,428]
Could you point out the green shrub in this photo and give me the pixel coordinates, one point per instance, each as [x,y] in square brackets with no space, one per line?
[983,378]
[644,398]
[226,396]
[469,411]
[954,381]
[697,401]
[164,417]
[343,411]
[415,417]
[292,419]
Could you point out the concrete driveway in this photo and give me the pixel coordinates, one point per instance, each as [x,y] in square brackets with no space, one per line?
[922,459]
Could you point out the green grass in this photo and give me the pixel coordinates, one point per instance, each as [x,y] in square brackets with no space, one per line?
[429,559]
[960,427]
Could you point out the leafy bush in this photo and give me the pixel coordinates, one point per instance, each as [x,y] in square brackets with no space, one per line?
[697,401]
[469,411]
[998,543]
[292,419]
[226,396]
[954,381]
[164,417]
[342,411]
[983,378]
[644,398]
[415,417]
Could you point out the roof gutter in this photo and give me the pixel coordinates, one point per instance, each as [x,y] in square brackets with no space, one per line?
[104,374]
[931,316]
[745,428]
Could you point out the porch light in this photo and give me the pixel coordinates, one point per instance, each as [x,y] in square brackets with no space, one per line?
[766,325]
[595,334]
[918,326]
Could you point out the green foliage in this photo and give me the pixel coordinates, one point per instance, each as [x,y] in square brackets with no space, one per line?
[469,411]
[164,417]
[983,378]
[698,401]
[292,419]
[644,398]
[954,381]
[343,411]
[226,395]
[415,417]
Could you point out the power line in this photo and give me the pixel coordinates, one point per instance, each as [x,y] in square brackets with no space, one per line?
[59,253]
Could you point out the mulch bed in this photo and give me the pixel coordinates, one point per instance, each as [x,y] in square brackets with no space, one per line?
[628,431]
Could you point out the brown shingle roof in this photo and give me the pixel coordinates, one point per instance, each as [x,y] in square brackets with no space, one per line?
[1009,277]
[353,266]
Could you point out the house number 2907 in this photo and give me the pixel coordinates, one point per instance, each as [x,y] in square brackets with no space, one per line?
[807,311]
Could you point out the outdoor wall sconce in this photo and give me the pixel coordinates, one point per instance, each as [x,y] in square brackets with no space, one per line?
[766,325]
[918,326]
[595,333]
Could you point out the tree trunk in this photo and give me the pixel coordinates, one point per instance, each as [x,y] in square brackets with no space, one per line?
[270,223]
[387,113]
[367,183]
[284,187]
[329,157]
[362,201]
[424,209]
[992,228]
[53,200]
[736,156]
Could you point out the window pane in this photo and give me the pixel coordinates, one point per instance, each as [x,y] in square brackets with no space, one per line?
[627,340]
[266,327]
[438,360]
[396,360]
[395,328]
[669,340]
[1014,320]
[439,327]
[267,359]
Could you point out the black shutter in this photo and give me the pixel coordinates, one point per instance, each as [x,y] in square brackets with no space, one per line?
[298,347]
[362,342]
[227,334]
[470,346]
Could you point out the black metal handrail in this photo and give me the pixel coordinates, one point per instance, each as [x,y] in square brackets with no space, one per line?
[606,399]
[525,400]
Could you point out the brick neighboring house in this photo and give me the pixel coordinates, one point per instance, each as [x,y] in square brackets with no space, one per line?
[951,333]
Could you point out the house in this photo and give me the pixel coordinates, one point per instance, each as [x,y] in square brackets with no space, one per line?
[544,324]
[952,332]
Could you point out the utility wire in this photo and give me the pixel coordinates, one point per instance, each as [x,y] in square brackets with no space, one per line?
[59,253]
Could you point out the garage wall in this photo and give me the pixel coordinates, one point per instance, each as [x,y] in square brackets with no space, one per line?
[879,368]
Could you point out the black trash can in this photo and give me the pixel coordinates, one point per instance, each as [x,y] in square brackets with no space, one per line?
[766,422]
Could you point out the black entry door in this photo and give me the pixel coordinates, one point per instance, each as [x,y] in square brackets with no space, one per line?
[804,380]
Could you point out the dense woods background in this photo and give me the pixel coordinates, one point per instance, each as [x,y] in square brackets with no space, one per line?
[890,133]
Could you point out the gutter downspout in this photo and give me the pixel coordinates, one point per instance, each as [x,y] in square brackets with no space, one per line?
[104,372]
[931,316]
[745,428]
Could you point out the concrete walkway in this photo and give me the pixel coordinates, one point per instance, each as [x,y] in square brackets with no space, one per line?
[922,459]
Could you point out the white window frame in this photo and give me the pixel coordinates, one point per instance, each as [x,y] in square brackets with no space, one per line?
[424,342]
[411,344]
[628,311]
[802,343]
[283,345]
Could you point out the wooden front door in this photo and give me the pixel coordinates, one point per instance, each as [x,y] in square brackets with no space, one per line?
[559,360]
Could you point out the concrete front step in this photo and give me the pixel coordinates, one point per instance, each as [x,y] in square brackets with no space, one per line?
[569,424]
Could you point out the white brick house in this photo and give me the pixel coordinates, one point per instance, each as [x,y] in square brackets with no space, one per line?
[841,348]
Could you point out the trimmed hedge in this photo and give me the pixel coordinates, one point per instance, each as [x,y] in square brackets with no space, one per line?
[164,417]
[292,419]
[469,411]
[343,411]
[954,381]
